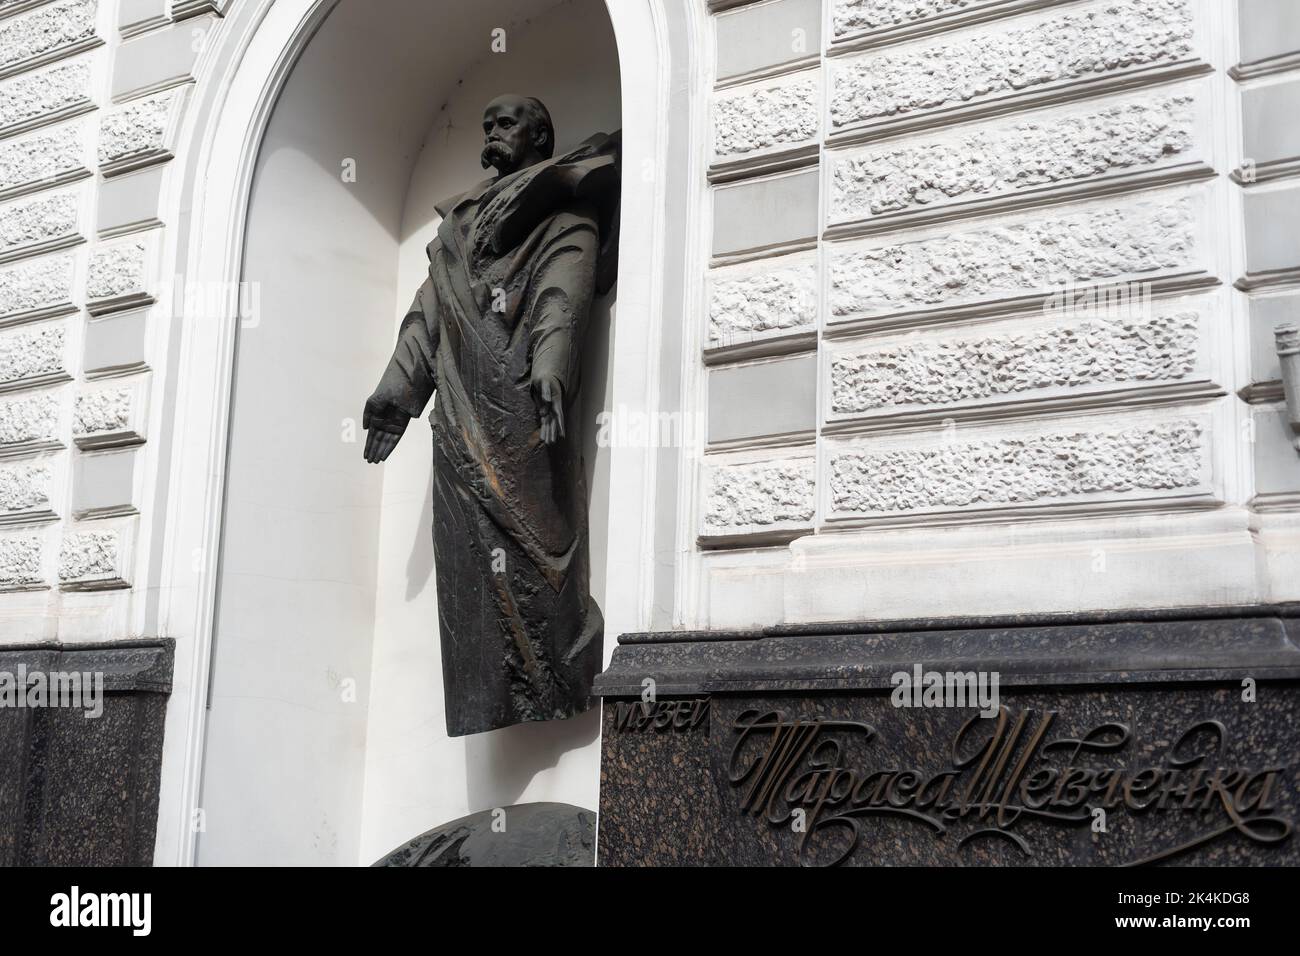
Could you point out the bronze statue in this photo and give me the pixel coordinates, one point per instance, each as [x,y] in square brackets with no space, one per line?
[497,329]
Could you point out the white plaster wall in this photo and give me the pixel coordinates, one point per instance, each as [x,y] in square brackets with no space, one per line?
[1132,172]
[285,749]
[416,776]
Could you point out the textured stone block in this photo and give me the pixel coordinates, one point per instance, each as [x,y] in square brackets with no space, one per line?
[30,99]
[107,417]
[1065,356]
[755,498]
[1063,464]
[26,488]
[747,305]
[93,560]
[45,33]
[118,277]
[28,423]
[44,159]
[853,18]
[45,221]
[136,132]
[21,562]
[1142,238]
[768,117]
[1083,43]
[34,288]
[850,17]
[32,356]
[1053,149]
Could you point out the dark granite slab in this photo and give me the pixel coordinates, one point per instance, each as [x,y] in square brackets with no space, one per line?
[1121,739]
[78,790]
[526,834]
[1155,646]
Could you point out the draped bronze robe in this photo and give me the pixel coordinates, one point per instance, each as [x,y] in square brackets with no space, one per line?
[512,273]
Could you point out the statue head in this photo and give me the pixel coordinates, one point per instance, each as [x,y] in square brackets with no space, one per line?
[517,133]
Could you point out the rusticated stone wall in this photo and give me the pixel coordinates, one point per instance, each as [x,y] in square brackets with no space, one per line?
[92,93]
[1045,238]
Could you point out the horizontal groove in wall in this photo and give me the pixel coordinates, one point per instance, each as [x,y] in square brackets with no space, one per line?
[47,119]
[40,185]
[1026,513]
[1275,64]
[1154,396]
[53,311]
[767,72]
[785,440]
[50,56]
[801,156]
[35,381]
[1274,279]
[35,249]
[1034,197]
[22,6]
[763,252]
[30,448]
[1160,288]
[793,343]
[1269,172]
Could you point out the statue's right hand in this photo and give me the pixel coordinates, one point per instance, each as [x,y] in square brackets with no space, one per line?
[384,424]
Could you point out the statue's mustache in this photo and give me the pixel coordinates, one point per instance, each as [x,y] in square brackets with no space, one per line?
[495,150]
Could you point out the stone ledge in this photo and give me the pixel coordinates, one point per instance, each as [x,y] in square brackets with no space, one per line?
[1176,645]
[140,666]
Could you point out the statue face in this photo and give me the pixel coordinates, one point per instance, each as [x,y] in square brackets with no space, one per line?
[510,136]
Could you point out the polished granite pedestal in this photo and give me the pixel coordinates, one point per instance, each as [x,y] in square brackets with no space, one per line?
[1119,738]
[79,772]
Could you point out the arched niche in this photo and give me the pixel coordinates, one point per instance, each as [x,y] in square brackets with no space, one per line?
[308,572]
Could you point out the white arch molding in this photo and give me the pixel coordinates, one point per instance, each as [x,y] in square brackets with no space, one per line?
[238,84]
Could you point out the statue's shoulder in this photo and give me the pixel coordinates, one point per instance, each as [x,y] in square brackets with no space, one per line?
[596,151]
[592,170]
[445,207]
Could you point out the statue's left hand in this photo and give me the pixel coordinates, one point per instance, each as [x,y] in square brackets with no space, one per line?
[549,398]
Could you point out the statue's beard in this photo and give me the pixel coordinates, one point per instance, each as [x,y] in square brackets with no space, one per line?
[499,155]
